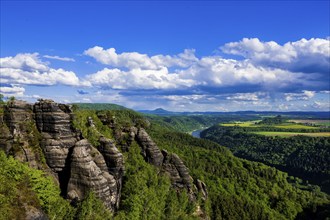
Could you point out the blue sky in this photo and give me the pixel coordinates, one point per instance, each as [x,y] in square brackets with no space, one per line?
[182,56]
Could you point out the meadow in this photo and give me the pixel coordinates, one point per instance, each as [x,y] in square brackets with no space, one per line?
[290,134]
[287,129]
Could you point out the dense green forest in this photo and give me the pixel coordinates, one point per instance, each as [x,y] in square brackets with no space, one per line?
[302,156]
[98,106]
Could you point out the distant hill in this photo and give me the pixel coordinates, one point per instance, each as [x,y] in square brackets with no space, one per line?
[292,114]
[159,111]
[98,106]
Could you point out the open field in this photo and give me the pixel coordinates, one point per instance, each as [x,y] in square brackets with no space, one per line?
[294,126]
[290,134]
[311,121]
[283,126]
[241,124]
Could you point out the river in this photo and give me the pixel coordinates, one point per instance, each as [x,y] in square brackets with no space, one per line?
[197,133]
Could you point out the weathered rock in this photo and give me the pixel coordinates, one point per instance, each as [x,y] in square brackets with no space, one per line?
[54,122]
[150,151]
[32,213]
[113,157]
[178,172]
[86,176]
[16,129]
[201,187]
[16,115]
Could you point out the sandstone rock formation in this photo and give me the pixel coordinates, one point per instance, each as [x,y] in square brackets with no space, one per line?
[86,176]
[150,151]
[54,123]
[16,129]
[178,172]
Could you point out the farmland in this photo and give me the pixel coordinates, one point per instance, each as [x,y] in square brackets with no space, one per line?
[290,134]
[287,128]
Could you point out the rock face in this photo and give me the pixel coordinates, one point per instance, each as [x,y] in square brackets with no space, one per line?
[179,173]
[150,151]
[54,123]
[16,128]
[86,176]
[115,163]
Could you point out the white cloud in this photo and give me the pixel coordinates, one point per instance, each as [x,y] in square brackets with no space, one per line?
[30,70]
[207,72]
[305,95]
[59,58]
[16,91]
[303,55]
[133,60]
[244,97]
[138,79]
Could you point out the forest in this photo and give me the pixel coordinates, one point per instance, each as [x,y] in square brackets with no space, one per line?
[302,156]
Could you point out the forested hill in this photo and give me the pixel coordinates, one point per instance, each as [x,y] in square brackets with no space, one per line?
[240,189]
[302,156]
[98,106]
[291,114]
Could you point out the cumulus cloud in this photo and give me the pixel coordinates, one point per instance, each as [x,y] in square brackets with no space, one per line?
[300,56]
[214,72]
[9,90]
[133,60]
[244,97]
[138,79]
[28,69]
[59,58]
[304,95]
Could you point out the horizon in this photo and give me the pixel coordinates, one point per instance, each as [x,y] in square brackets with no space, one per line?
[187,56]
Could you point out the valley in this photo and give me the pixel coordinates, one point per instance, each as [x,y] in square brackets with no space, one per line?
[150,168]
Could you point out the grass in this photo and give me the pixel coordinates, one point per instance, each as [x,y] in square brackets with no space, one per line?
[290,134]
[311,121]
[241,124]
[283,126]
[295,126]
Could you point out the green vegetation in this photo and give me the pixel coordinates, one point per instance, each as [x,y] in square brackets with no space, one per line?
[255,124]
[273,120]
[146,194]
[21,186]
[312,122]
[98,106]
[239,188]
[92,208]
[290,134]
[184,123]
[302,156]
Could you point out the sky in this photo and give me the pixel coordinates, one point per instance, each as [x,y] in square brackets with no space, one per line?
[176,55]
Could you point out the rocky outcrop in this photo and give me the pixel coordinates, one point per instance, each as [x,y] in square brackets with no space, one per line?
[115,163]
[17,131]
[150,151]
[113,157]
[54,123]
[86,176]
[178,172]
